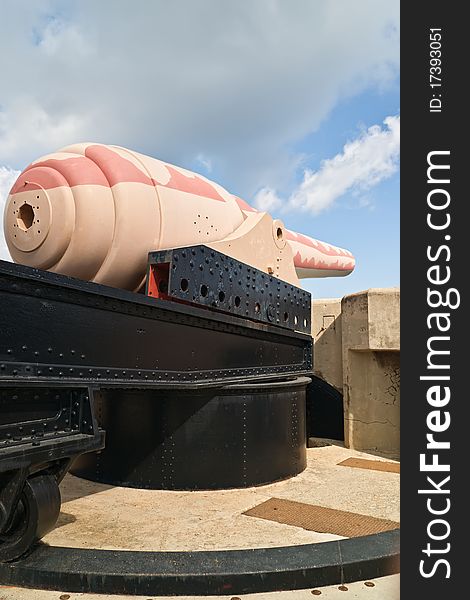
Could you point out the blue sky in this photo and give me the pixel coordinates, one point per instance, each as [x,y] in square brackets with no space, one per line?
[370,231]
[257,96]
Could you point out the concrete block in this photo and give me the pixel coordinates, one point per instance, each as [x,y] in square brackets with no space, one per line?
[372,402]
[371,319]
[371,370]
[327,335]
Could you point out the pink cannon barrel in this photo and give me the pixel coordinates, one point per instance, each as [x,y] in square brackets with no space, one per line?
[94,212]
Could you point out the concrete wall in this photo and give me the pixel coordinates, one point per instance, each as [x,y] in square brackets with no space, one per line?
[357,349]
[327,334]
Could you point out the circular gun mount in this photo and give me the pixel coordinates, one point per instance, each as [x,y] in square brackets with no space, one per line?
[234,436]
[200,386]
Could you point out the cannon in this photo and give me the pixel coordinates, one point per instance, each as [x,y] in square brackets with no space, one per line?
[154,334]
[95,212]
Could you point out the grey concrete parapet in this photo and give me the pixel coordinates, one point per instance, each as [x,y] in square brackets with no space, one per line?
[372,319]
[327,333]
[357,349]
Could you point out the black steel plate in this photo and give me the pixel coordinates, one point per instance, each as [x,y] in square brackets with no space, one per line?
[40,423]
[205,277]
[59,329]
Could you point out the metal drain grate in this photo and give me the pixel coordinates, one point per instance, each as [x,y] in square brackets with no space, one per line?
[374,465]
[319,518]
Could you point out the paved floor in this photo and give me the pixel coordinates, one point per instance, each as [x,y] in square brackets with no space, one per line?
[101,516]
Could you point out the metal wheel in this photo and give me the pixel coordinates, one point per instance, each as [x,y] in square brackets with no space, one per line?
[35,515]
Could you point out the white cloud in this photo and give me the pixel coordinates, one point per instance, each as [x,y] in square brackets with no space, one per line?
[205,161]
[7,179]
[363,163]
[58,36]
[29,127]
[243,80]
[267,200]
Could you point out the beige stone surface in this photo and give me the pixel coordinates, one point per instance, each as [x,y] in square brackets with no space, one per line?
[101,516]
